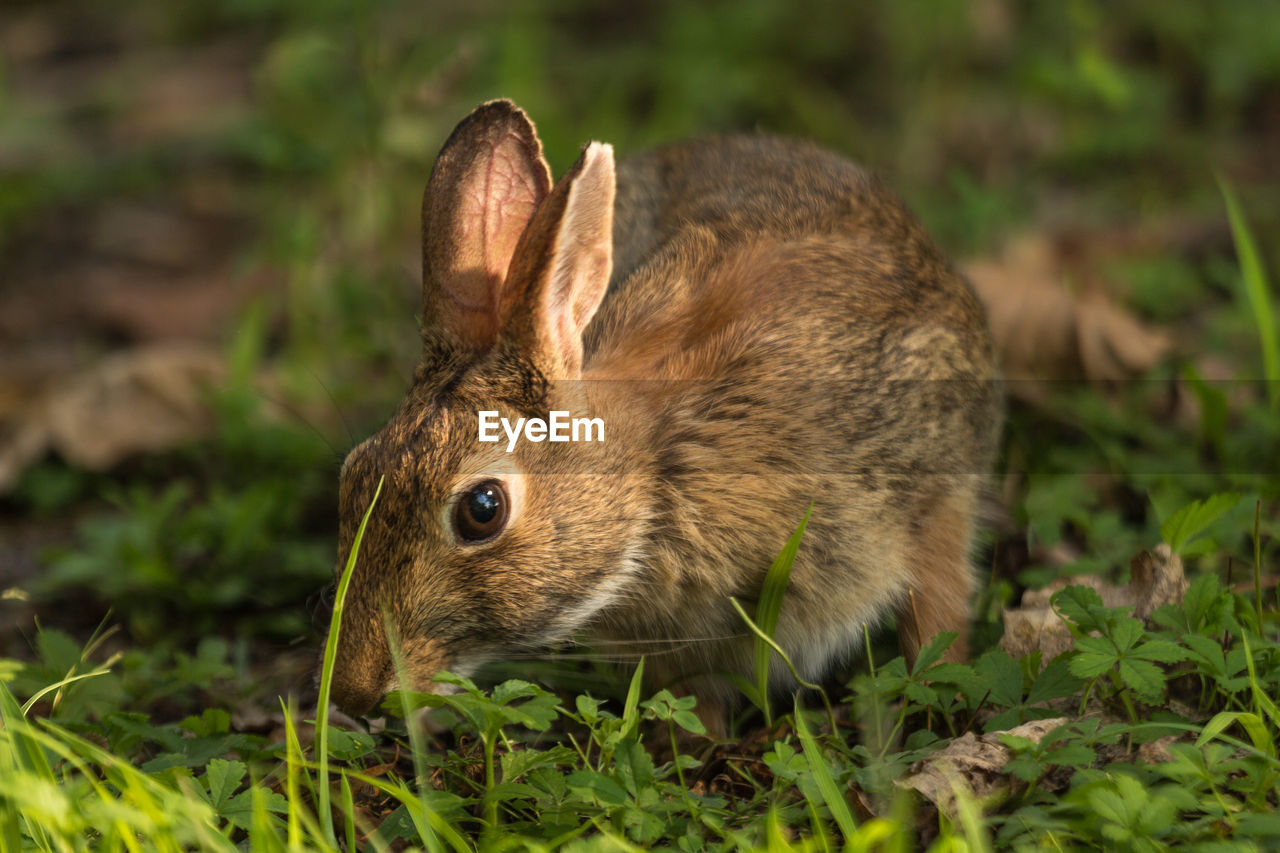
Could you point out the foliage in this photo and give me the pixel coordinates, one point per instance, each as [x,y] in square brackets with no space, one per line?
[551,772]
[1257,292]
[986,117]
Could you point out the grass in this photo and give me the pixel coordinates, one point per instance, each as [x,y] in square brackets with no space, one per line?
[330,657]
[765,623]
[1257,293]
[1103,122]
[1198,678]
[549,773]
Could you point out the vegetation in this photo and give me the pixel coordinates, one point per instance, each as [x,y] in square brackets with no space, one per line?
[1134,140]
[521,769]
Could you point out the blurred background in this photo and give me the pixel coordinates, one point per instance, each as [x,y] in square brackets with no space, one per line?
[209,261]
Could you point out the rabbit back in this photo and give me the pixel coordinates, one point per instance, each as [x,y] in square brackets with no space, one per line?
[814,346]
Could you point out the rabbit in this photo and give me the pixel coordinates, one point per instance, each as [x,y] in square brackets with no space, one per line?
[760,326]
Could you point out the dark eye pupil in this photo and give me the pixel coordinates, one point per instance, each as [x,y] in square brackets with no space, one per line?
[483,505]
[482,512]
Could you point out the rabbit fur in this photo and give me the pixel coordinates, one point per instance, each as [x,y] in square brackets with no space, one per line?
[761,326]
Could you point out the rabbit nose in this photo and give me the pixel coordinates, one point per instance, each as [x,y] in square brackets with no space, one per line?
[356,693]
[362,674]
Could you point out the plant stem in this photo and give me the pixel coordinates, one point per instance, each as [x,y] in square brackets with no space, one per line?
[675,759]
[1123,692]
[490,741]
[1257,561]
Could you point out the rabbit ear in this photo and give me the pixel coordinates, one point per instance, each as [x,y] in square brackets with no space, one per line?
[562,266]
[487,182]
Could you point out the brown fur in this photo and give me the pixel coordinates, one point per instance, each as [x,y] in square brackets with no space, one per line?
[777,330]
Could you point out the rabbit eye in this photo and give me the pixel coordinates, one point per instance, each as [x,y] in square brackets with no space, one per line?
[482,512]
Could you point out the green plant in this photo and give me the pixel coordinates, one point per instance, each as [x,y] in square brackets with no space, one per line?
[1102,113]
[765,623]
[1190,522]
[1257,293]
[327,664]
[178,566]
[1120,651]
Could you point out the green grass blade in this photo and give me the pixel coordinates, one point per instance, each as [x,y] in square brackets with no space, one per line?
[22,756]
[326,674]
[1257,291]
[1263,705]
[772,592]
[293,759]
[827,787]
[127,804]
[262,832]
[10,830]
[772,645]
[746,687]
[422,813]
[26,754]
[419,813]
[58,685]
[1252,724]
[631,708]
[795,673]
[1257,566]
[349,809]
[970,815]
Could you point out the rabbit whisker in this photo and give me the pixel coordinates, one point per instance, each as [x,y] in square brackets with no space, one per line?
[683,641]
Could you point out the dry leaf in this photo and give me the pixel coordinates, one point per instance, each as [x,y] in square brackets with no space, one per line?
[1157,751]
[974,763]
[1157,578]
[1045,331]
[145,399]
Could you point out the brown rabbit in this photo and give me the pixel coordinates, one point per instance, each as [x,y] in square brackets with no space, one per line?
[758,325]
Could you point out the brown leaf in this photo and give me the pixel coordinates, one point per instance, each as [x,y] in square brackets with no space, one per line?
[972,763]
[145,399]
[1157,751]
[1157,578]
[1045,330]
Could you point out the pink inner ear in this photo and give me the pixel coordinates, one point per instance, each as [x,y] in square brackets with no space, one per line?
[512,195]
[583,260]
[495,207]
[486,185]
